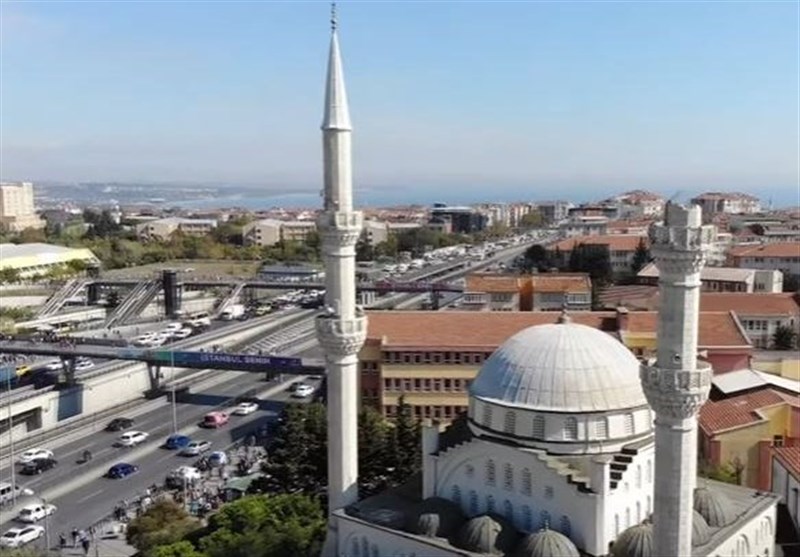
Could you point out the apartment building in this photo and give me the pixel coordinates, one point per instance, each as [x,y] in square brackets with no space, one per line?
[621,249]
[780,256]
[17,210]
[583,225]
[639,204]
[731,203]
[725,279]
[268,232]
[759,314]
[161,229]
[377,231]
[544,292]
[553,212]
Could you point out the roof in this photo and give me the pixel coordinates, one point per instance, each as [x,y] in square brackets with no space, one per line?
[746,379]
[33,250]
[789,457]
[633,297]
[495,282]
[724,274]
[715,195]
[20,256]
[744,303]
[487,282]
[731,413]
[716,328]
[572,283]
[337,113]
[615,242]
[563,367]
[777,249]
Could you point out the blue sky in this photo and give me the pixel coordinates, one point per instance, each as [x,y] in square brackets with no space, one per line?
[512,100]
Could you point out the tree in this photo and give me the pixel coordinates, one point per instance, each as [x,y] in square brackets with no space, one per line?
[791,283]
[364,251]
[406,443]
[9,275]
[374,458]
[784,338]
[592,259]
[535,257]
[164,523]
[641,257]
[182,548]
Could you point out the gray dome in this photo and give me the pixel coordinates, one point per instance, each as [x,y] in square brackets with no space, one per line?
[636,541]
[436,517]
[487,534]
[713,507]
[701,533]
[546,543]
[563,367]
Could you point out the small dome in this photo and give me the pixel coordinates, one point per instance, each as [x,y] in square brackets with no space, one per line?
[636,541]
[436,517]
[713,507]
[564,367]
[701,533]
[546,543]
[487,534]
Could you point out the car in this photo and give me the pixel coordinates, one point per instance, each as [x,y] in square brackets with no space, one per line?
[177,441]
[215,419]
[245,408]
[10,494]
[54,365]
[182,475]
[37,466]
[195,448]
[293,387]
[217,459]
[174,326]
[35,512]
[16,537]
[119,424]
[84,365]
[181,334]
[121,470]
[33,454]
[132,438]
[303,391]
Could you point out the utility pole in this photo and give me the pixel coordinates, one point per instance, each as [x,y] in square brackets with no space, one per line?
[11,442]
[174,402]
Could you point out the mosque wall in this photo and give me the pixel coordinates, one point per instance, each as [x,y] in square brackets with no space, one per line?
[754,538]
[362,539]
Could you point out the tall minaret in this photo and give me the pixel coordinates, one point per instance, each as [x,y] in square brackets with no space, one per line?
[342,327]
[676,384]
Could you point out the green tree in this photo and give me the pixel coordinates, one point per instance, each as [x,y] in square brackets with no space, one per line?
[76,266]
[592,259]
[9,275]
[784,338]
[406,440]
[182,548]
[32,235]
[374,458]
[531,220]
[791,283]
[641,257]
[535,257]
[364,250]
[164,523]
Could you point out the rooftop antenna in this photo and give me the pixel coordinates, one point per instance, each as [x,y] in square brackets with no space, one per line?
[333,17]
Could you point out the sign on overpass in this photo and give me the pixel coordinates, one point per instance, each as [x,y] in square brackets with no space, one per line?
[243,362]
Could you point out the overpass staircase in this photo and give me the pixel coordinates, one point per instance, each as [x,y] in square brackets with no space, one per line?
[134,303]
[231,298]
[55,302]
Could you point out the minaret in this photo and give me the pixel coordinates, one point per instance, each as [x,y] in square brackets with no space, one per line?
[342,327]
[676,384]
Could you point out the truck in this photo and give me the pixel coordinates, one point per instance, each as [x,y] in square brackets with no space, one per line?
[233,311]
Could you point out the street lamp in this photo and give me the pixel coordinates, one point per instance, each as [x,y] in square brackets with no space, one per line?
[174,402]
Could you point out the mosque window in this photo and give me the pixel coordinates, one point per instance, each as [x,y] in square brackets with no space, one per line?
[649,504]
[473,503]
[508,511]
[356,548]
[487,415]
[570,428]
[638,512]
[628,517]
[527,518]
[470,470]
[628,424]
[455,495]
[649,471]
[548,492]
[510,422]
[544,519]
[375,551]
[601,428]
[508,477]
[491,473]
[527,481]
[616,525]
[565,526]
[490,506]
[538,427]
[364,547]
[638,476]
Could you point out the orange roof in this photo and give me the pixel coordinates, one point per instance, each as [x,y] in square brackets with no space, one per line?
[615,242]
[730,413]
[488,282]
[717,328]
[777,249]
[561,282]
[750,304]
[790,458]
[572,283]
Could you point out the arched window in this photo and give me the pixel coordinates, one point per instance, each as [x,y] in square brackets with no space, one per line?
[616,525]
[538,427]
[508,477]
[364,547]
[629,424]
[375,551]
[570,428]
[491,473]
[490,508]
[527,518]
[649,504]
[601,428]
[628,517]
[473,503]
[638,476]
[508,511]
[565,527]
[356,548]
[548,492]
[487,415]
[638,512]
[455,495]
[544,519]
[470,469]
[510,424]
[527,481]
[649,471]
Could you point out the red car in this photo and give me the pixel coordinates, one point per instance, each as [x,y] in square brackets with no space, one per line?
[215,419]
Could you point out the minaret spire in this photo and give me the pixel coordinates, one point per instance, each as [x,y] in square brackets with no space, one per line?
[342,327]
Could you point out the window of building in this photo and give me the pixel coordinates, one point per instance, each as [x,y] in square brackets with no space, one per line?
[510,422]
[356,548]
[490,506]
[601,428]
[544,519]
[548,492]
[570,428]
[508,477]
[538,427]
[649,477]
[508,511]
[638,512]
[638,476]
[365,547]
[527,518]
[628,517]
[616,525]
[447,384]
[491,473]
[565,526]
[487,415]
[649,504]
[526,481]
[473,503]
[455,495]
[629,424]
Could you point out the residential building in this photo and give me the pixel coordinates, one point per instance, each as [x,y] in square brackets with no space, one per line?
[725,279]
[376,231]
[268,232]
[35,259]
[460,220]
[785,479]
[639,204]
[732,203]
[161,229]
[583,225]
[17,210]
[621,249]
[759,314]
[781,256]
[553,212]
[542,292]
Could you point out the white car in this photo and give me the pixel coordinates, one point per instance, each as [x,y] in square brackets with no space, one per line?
[35,512]
[84,365]
[188,473]
[303,391]
[245,408]
[181,334]
[172,327]
[195,448]
[132,438]
[17,537]
[54,365]
[33,454]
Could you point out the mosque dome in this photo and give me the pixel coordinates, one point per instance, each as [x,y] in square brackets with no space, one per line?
[546,543]
[636,541]
[564,367]
[491,535]
[713,507]
[701,532]
[436,517]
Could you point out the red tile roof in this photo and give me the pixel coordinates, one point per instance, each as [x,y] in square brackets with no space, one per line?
[615,242]
[722,415]
[777,249]
[750,304]
[572,283]
[790,458]
[716,328]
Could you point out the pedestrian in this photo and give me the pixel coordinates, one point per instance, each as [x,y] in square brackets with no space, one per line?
[86,543]
[62,541]
[74,537]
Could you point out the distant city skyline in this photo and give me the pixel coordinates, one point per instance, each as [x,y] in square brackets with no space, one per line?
[450,101]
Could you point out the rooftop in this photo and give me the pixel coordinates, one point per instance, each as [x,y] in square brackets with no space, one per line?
[615,242]
[747,379]
[778,249]
[35,249]
[790,458]
[750,303]
[573,283]
[732,413]
[723,274]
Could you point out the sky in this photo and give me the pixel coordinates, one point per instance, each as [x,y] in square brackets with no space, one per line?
[457,100]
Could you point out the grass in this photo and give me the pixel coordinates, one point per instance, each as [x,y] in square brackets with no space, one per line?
[201,269]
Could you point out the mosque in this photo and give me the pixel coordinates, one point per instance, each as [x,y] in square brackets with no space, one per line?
[571,446]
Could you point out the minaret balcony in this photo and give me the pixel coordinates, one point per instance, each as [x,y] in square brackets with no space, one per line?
[682,238]
[676,393]
[341,336]
[340,228]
